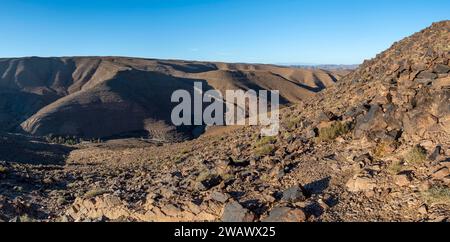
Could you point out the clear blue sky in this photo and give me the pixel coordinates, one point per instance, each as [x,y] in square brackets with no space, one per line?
[258,31]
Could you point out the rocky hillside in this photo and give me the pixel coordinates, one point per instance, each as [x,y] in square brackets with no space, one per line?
[375,147]
[101,97]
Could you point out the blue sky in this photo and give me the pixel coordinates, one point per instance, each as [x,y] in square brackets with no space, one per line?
[257,31]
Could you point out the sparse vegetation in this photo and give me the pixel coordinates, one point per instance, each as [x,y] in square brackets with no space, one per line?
[287,136]
[68,140]
[333,131]
[61,201]
[238,162]
[62,140]
[227,177]
[265,141]
[182,156]
[94,193]
[3,170]
[205,175]
[384,148]
[416,155]
[265,146]
[26,219]
[292,123]
[185,151]
[265,177]
[438,194]
[264,150]
[395,167]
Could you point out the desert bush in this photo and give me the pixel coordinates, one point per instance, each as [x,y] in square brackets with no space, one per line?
[94,193]
[205,175]
[184,151]
[264,150]
[26,219]
[384,148]
[333,131]
[438,194]
[227,177]
[395,167]
[288,136]
[266,140]
[292,123]
[416,155]
[3,170]
[68,140]
[264,146]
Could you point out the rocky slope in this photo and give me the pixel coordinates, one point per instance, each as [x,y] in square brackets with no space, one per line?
[101,97]
[375,147]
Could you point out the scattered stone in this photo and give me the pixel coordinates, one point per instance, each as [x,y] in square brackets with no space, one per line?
[14,220]
[238,163]
[47,181]
[437,151]
[234,212]
[423,209]
[64,219]
[310,133]
[424,186]
[171,210]
[285,214]
[371,122]
[209,182]
[441,69]
[441,173]
[426,76]
[363,160]
[219,197]
[61,201]
[360,184]
[403,179]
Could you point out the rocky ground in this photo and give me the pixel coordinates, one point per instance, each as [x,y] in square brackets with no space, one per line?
[374,148]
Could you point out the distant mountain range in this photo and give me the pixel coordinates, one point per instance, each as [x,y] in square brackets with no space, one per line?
[323,66]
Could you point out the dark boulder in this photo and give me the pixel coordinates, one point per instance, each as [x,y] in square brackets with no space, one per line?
[234,212]
[294,194]
[285,214]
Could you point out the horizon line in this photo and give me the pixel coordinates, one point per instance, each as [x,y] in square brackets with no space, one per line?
[287,64]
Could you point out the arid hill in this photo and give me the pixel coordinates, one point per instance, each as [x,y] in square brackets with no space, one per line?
[98,97]
[374,147]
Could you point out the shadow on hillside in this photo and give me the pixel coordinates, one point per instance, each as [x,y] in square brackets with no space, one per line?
[28,162]
[26,150]
[319,186]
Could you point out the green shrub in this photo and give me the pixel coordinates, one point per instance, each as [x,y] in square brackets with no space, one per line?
[227,177]
[3,170]
[395,167]
[335,130]
[292,123]
[185,151]
[384,148]
[438,195]
[266,140]
[26,219]
[94,193]
[205,175]
[416,155]
[62,140]
[264,150]
[264,146]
